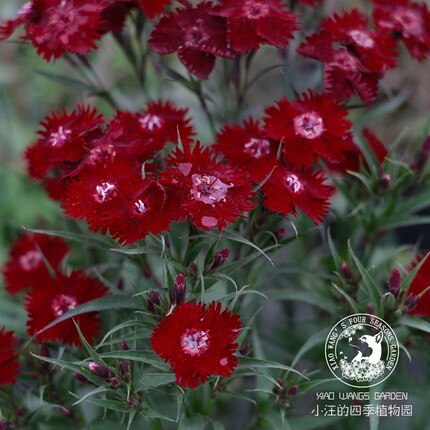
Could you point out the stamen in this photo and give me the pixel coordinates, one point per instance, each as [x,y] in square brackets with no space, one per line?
[195,342]
[62,304]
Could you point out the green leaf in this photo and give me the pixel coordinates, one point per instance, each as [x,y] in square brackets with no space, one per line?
[400,220]
[149,412]
[147,357]
[152,380]
[416,323]
[88,347]
[91,393]
[193,422]
[138,251]
[87,239]
[348,298]
[250,363]
[125,324]
[313,341]
[336,257]
[114,405]
[97,305]
[369,283]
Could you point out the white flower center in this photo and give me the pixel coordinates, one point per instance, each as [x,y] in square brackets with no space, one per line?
[140,207]
[59,137]
[208,189]
[30,259]
[257,148]
[293,183]
[104,191]
[194,342]
[362,38]
[255,9]
[151,122]
[309,125]
[62,304]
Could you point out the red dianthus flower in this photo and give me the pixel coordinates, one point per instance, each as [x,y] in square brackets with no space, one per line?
[286,190]
[420,282]
[8,358]
[253,22]
[26,266]
[55,27]
[361,60]
[197,341]
[313,126]
[113,196]
[196,35]
[63,140]
[209,192]
[409,21]
[246,146]
[56,296]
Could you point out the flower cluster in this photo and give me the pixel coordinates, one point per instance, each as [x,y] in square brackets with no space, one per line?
[34,264]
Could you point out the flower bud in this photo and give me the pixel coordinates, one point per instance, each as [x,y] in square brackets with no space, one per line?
[5,425]
[394,282]
[218,259]
[67,412]
[385,181]
[411,302]
[153,301]
[293,390]
[124,346]
[82,378]
[115,382]
[369,309]
[120,284]
[100,370]
[245,348]
[423,156]
[179,289]
[346,271]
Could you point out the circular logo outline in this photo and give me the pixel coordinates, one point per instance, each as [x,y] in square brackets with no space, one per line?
[330,340]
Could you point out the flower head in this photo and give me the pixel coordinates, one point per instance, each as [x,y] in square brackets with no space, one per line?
[251,23]
[197,341]
[286,190]
[55,296]
[311,127]
[420,282]
[62,141]
[55,27]
[196,35]
[207,191]
[246,146]
[407,20]
[8,357]
[26,264]
[355,58]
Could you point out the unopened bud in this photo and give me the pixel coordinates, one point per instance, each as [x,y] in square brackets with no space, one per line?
[120,284]
[423,155]
[115,382]
[147,272]
[82,378]
[5,425]
[219,259]
[153,301]
[100,370]
[124,369]
[280,233]
[67,412]
[369,309]
[179,290]
[411,302]
[44,352]
[293,390]
[346,271]
[394,282]
[385,181]
[124,346]
[245,348]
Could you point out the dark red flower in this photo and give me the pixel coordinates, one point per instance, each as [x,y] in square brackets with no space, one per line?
[420,282]
[8,357]
[113,196]
[246,146]
[153,8]
[311,127]
[408,21]
[55,27]
[251,23]
[114,14]
[311,3]
[207,191]
[56,296]
[63,140]
[355,57]
[140,135]
[286,190]
[197,341]
[28,256]
[196,35]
